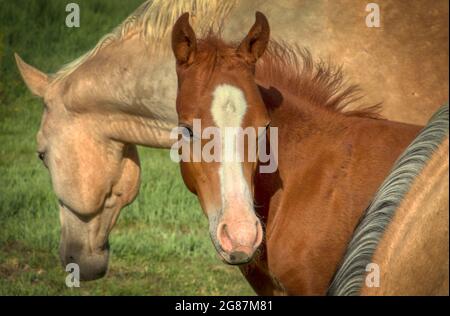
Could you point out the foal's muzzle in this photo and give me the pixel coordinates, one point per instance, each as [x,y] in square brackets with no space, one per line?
[237,241]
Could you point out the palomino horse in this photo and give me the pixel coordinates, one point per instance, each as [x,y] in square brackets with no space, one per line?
[330,163]
[418,265]
[127,82]
[403,235]
[413,253]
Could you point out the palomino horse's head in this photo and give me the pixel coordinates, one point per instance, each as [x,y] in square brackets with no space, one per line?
[216,84]
[93,176]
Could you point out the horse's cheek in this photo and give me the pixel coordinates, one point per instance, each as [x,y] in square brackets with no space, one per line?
[127,187]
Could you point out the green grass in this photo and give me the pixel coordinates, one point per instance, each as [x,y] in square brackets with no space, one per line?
[160,245]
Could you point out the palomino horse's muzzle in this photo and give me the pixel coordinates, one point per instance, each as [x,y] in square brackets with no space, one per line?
[78,245]
[92,266]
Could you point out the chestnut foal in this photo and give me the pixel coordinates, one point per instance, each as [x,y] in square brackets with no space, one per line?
[330,163]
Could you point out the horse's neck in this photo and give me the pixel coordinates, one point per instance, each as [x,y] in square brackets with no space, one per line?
[329,168]
[135,90]
[314,140]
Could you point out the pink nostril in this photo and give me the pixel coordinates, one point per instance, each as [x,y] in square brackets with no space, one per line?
[243,236]
[224,238]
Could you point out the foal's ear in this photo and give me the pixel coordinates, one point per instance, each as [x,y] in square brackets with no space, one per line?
[255,43]
[36,80]
[184,43]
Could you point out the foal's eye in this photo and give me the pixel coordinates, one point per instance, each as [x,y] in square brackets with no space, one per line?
[266,128]
[187,133]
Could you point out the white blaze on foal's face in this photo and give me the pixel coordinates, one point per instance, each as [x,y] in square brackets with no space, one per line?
[235,229]
[228,109]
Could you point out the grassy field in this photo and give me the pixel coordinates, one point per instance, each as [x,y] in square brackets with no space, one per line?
[160,245]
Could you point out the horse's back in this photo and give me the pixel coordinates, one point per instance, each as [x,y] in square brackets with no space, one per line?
[413,255]
[406,218]
[391,63]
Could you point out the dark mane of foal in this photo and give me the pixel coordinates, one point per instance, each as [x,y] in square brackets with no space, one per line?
[293,69]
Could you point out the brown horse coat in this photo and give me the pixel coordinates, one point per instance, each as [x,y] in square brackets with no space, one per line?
[330,163]
[330,166]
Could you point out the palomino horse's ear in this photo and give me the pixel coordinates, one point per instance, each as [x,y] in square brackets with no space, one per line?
[255,43]
[184,43]
[35,80]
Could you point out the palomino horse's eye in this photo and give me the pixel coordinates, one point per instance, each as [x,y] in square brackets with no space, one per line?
[41,156]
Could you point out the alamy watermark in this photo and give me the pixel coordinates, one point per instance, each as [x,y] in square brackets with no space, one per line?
[229,144]
[73,18]
[373,18]
[373,275]
[73,278]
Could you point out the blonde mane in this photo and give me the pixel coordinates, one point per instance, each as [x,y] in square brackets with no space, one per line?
[153,21]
